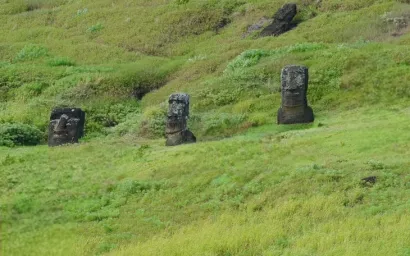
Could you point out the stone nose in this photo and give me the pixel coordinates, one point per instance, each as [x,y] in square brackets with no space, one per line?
[61,124]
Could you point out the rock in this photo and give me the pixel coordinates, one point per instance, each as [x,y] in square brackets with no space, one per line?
[139,93]
[286,13]
[221,24]
[258,25]
[176,130]
[66,126]
[179,138]
[294,108]
[369,180]
[396,25]
[282,21]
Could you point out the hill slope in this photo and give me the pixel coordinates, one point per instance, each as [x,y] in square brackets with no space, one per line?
[249,187]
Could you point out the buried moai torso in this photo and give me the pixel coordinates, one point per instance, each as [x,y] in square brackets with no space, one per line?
[294,108]
[66,126]
[176,129]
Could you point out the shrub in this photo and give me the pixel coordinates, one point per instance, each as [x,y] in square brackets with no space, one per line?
[137,79]
[259,119]
[29,90]
[153,122]
[101,115]
[183,23]
[130,126]
[82,11]
[19,135]
[31,52]
[181,2]
[23,204]
[32,5]
[60,61]
[247,58]
[323,82]
[347,5]
[252,57]
[95,28]
[211,124]
[131,187]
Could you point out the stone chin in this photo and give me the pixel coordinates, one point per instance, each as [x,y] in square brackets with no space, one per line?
[59,135]
[183,137]
[296,115]
[291,99]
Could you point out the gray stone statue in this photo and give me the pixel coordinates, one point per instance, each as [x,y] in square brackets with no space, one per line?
[294,108]
[66,126]
[282,21]
[176,130]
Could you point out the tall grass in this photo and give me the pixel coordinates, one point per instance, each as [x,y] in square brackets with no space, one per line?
[249,187]
[273,191]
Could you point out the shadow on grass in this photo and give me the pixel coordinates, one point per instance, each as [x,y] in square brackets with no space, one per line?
[274,129]
[261,131]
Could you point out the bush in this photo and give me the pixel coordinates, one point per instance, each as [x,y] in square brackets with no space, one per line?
[180,2]
[32,5]
[29,90]
[31,52]
[153,122]
[130,126]
[19,135]
[95,28]
[140,78]
[102,115]
[216,124]
[60,61]
[252,57]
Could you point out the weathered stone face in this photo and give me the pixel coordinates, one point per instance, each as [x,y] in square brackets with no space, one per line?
[294,108]
[176,128]
[178,112]
[282,21]
[66,126]
[294,86]
[178,104]
[286,13]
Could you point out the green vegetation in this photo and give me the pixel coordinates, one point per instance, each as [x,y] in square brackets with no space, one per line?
[249,187]
[19,134]
[275,190]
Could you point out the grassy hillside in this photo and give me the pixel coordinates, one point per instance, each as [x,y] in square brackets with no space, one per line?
[249,186]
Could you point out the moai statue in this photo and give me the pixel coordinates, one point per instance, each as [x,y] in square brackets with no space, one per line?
[294,108]
[282,21]
[176,130]
[66,126]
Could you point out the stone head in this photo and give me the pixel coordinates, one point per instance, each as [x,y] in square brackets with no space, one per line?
[294,85]
[66,126]
[286,13]
[178,105]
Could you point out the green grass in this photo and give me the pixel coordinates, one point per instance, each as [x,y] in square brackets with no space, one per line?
[274,190]
[249,186]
